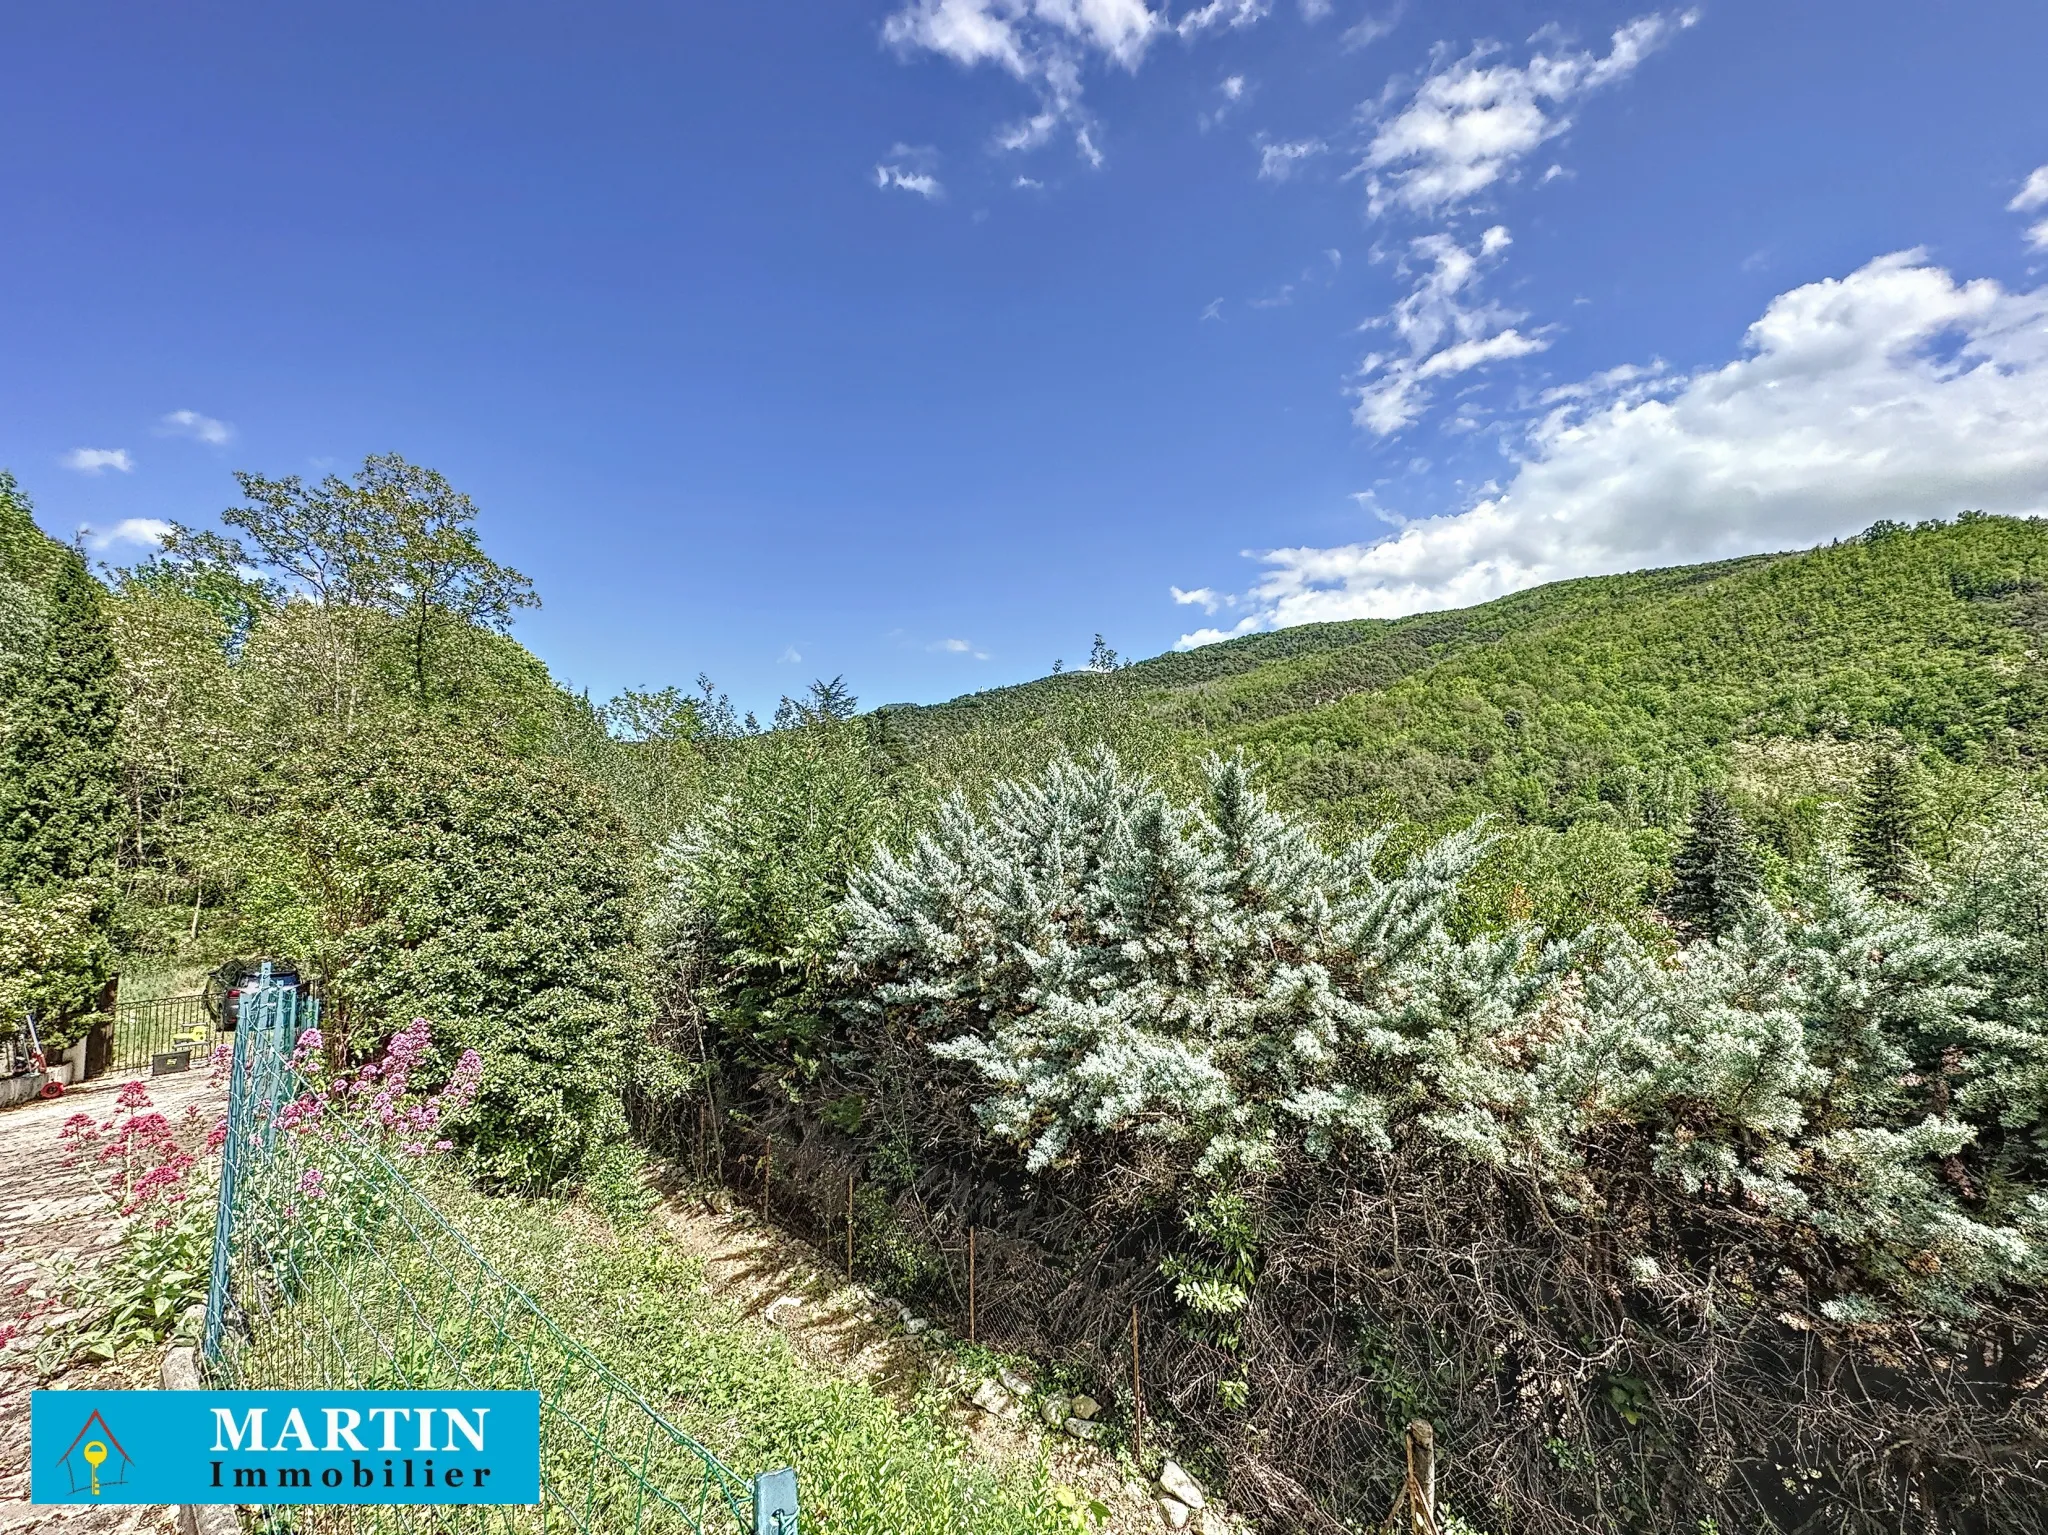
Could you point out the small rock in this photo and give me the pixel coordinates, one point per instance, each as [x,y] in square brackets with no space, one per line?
[1177,1513]
[915,1325]
[1135,1491]
[1209,1522]
[991,1398]
[1178,1484]
[778,1303]
[1015,1384]
[905,1315]
[1084,1407]
[1054,1410]
[1083,1430]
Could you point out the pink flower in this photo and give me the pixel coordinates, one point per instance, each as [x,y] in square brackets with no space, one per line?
[133,1095]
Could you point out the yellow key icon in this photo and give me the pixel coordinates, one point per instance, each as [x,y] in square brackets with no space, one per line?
[94,1453]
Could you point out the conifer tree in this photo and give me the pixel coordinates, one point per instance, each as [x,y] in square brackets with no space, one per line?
[59,800]
[1715,873]
[59,796]
[1885,840]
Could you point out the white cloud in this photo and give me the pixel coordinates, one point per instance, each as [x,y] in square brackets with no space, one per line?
[147,531]
[96,461]
[189,423]
[1221,13]
[909,178]
[1213,310]
[1443,329]
[1370,28]
[790,655]
[1277,162]
[1896,392]
[1028,184]
[1200,597]
[1316,10]
[1045,44]
[1250,624]
[1470,123]
[958,648]
[2033,194]
[1463,356]
[1235,91]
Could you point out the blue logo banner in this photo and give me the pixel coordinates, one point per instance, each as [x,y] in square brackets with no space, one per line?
[415,1447]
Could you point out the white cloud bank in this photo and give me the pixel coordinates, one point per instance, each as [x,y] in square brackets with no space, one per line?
[97,461]
[1895,392]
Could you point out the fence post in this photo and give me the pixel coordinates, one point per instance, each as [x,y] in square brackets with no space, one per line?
[775,1511]
[1137,1395]
[1414,1511]
[1422,1471]
[849,1228]
[970,1284]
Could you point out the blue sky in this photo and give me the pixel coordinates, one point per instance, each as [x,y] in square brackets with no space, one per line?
[918,340]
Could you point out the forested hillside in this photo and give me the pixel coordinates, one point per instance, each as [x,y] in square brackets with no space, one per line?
[1610,698]
[1611,1022]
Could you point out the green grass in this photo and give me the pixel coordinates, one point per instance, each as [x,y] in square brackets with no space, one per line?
[865,1465]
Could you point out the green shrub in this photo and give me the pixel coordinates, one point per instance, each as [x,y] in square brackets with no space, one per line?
[495,895]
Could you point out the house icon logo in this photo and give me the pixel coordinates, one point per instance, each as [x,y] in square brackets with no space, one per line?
[95,1458]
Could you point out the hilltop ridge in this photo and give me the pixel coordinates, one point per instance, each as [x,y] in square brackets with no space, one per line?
[1605,697]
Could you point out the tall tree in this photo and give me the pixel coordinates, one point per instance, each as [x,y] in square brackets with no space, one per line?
[1885,839]
[59,779]
[1715,873]
[397,539]
[425,564]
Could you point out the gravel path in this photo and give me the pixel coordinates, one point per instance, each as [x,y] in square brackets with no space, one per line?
[53,1217]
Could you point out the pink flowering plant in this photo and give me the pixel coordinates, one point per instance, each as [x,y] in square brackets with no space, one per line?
[377,1104]
[318,1174]
[160,1179]
[325,1176]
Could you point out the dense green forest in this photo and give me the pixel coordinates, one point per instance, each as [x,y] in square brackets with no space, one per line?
[1611,1022]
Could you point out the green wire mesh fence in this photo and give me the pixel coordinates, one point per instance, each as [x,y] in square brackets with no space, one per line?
[333,1270]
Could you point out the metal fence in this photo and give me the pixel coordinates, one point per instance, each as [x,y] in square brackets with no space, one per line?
[368,1286]
[166,1026]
